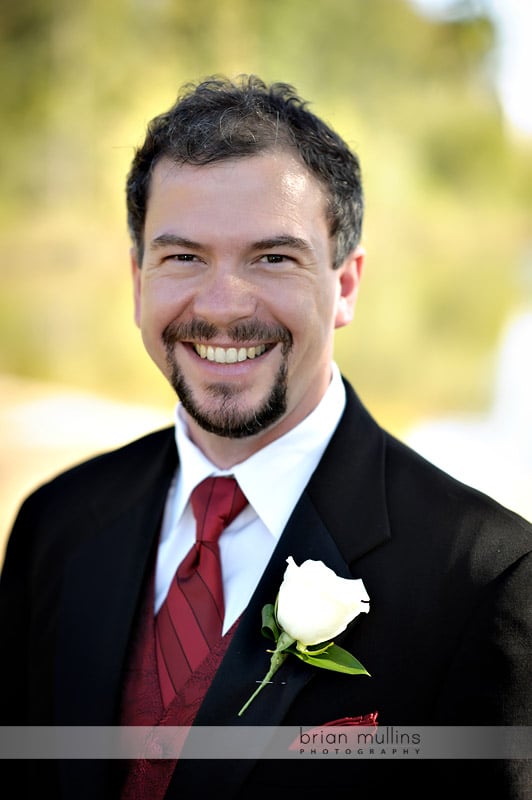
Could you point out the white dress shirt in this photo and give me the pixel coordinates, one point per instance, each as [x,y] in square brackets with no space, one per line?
[272,480]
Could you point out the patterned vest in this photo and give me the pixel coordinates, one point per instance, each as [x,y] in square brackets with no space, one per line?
[141,704]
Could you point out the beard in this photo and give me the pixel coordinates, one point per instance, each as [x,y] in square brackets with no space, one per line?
[228,419]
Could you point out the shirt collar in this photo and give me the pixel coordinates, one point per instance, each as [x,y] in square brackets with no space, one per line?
[274,477]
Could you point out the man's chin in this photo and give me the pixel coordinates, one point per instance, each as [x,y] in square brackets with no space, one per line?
[232,420]
[229,425]
[225,412]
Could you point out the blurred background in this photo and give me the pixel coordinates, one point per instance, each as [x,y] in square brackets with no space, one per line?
[434,95]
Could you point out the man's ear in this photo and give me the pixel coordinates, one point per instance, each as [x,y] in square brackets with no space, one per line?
[349,276]
[136,275]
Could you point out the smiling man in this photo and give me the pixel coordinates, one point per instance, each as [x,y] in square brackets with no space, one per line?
[136,585]
[238,310]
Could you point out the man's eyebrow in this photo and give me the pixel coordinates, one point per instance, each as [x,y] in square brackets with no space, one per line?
[283,241]
[173,240]
[269,243]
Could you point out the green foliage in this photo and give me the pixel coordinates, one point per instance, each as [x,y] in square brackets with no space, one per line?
[333,658]
[448,191]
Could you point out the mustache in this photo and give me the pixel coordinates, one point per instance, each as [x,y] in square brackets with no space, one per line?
[251,331]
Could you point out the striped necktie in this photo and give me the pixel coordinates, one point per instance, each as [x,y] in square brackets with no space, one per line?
[190,620]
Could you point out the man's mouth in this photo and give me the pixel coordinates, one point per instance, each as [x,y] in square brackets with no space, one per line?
[228,355]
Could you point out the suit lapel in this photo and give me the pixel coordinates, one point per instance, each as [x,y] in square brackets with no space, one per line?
[348,489]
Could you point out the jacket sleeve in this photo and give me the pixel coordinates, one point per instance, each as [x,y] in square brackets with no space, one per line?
[489,678]
[15,621]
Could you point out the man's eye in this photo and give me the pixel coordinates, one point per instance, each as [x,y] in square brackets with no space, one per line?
[181,257]
[273,258]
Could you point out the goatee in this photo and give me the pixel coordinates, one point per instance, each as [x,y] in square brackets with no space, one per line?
[228,419]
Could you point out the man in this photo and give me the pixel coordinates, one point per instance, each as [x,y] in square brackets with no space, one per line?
[245,212]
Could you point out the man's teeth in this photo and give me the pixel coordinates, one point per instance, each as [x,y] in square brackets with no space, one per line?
[228,355]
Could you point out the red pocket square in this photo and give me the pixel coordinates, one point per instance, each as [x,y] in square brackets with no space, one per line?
[368,720]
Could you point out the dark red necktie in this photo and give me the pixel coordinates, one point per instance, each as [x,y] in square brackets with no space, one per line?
[190,620]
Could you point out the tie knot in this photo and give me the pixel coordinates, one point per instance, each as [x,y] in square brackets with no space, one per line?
[215,503]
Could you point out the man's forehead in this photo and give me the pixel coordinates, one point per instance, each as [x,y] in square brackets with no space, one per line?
[261,202]
[272,175]
[282,157]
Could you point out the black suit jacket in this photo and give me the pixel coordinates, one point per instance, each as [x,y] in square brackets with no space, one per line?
[447,640]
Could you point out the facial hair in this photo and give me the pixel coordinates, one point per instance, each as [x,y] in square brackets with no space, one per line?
[228,420]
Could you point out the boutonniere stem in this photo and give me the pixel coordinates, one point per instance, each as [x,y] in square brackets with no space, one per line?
[279,656]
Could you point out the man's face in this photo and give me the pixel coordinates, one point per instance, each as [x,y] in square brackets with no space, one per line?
[236,297]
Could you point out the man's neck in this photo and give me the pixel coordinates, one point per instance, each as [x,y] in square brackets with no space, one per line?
[224,452]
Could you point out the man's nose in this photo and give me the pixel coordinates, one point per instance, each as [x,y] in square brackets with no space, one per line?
[225,296]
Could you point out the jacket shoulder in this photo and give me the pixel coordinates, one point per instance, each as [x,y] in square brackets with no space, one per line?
[106,472]
[452,516]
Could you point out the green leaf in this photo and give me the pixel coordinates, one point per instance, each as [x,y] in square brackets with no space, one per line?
[335,658]
[270,629]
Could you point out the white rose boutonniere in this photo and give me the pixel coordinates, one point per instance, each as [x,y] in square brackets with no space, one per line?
[313,606]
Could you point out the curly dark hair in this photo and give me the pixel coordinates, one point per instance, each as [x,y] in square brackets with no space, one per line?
[218,119]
